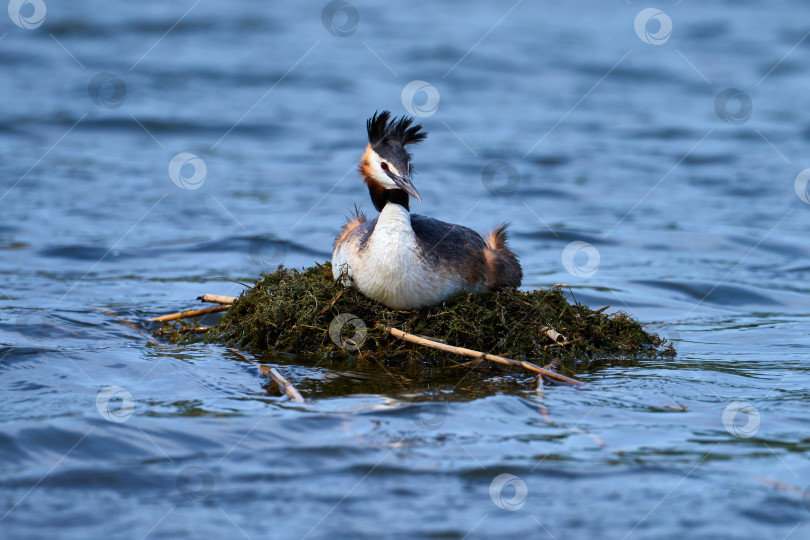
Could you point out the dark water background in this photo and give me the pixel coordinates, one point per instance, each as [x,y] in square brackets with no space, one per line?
[690,201]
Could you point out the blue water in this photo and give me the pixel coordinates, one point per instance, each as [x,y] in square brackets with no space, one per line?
[618,136]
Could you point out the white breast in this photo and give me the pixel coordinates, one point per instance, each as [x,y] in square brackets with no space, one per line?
[391,268]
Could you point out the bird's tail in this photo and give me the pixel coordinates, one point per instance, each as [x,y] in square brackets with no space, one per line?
[503,267]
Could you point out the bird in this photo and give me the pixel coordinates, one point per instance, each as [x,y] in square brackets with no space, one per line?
[408,261]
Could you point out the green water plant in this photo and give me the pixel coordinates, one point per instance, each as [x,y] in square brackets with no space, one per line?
[305,312]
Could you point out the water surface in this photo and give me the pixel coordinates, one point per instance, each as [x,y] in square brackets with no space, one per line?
[691,206]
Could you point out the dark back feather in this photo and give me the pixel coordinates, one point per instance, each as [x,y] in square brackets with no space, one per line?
[446,243]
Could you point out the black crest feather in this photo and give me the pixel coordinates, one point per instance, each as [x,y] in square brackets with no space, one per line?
[382,125]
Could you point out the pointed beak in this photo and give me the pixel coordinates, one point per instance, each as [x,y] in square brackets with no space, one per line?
[405,185]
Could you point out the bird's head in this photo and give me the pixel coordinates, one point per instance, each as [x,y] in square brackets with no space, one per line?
[386,164]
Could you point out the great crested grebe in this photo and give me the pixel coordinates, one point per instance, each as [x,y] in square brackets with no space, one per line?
[405,260]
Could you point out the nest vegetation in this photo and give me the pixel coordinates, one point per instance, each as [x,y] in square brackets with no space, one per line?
[307,313]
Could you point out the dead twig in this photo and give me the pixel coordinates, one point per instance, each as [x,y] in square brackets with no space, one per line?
[476,354]
[194,330]
[217,299]
[274,374]
[675,407]
[283,383]
[572,294]
[190,313]
[555,336]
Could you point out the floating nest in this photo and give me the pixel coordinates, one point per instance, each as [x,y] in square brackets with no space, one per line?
[305,312]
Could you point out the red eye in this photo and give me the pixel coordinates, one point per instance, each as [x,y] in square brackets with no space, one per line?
[384,166]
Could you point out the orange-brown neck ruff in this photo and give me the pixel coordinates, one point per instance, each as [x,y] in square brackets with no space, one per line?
[379,194]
